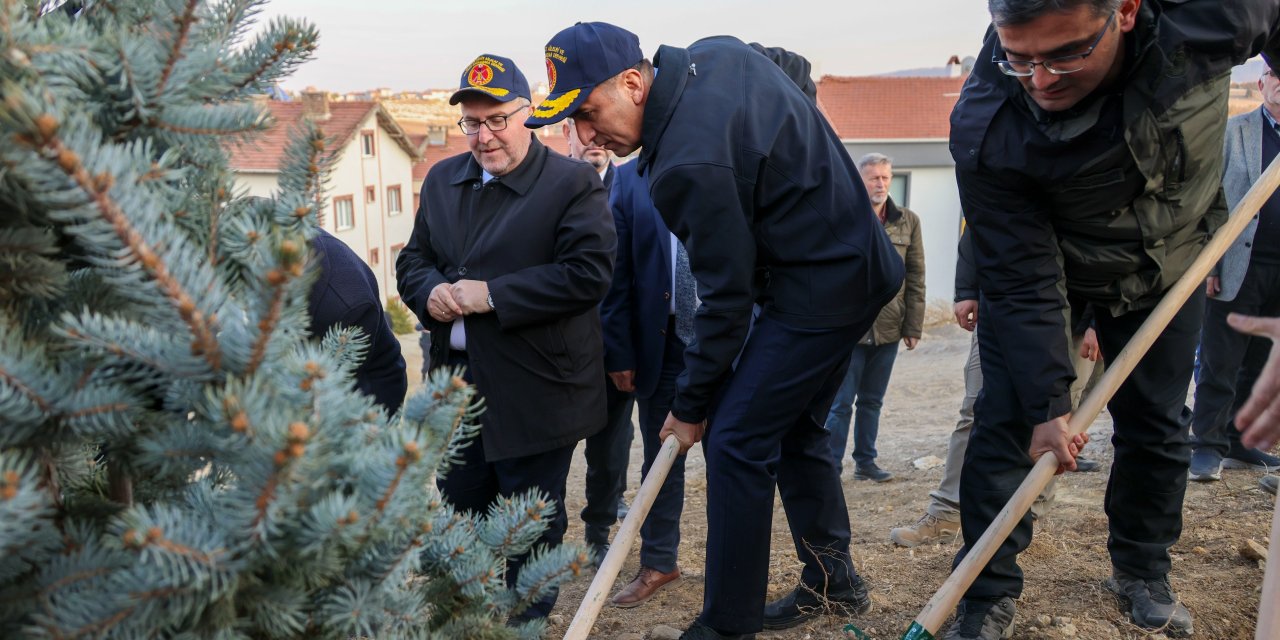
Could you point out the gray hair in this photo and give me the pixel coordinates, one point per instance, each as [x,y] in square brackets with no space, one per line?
[873,159]
[1016,12]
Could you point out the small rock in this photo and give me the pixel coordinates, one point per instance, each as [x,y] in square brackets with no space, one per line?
[1200,551]
[1067,630]
[663,632]
[928,462]
[629,636]
[555,620]
[1253,551]
[1059,621]
[1044,620]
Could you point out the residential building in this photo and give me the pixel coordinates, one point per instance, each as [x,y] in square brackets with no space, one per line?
[369,201]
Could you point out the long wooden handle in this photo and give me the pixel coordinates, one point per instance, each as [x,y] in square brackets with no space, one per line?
[585,618]
[1269,606]
[945,600]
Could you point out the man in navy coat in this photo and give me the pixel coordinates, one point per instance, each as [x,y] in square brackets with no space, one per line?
[644,353]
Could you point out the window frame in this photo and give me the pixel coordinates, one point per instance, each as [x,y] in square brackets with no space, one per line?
[337,214]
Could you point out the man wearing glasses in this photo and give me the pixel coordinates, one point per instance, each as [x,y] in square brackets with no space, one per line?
[512,251]
[1089,159]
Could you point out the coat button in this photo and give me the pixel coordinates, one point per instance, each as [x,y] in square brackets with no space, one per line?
[662,331]
[462,271]
[666,295]
[1248,244]
[475,186]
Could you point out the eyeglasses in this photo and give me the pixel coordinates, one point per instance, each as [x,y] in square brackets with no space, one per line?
[471,126]
[1059,66]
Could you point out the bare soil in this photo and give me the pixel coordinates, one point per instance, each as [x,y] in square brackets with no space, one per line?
[1064,566]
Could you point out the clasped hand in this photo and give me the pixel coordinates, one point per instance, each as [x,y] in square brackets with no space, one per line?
[448,302]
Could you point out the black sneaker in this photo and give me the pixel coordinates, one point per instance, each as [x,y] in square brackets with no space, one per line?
[979,619]
[1252,459]
[1206,466]
[872,472]
[1152,603]
[598,551]
[699,631]
[1269,484]
[805,603]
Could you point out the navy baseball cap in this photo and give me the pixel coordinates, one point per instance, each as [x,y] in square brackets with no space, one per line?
[494,76]
[578,59]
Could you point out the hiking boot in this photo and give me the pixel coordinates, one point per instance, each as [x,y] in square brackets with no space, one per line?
[1152,603]
[1087,465]
[927,530]
[1251,459]
[804,603]
[870,471]
[699,631]
[1269,483]
[1206,466]
[980,619]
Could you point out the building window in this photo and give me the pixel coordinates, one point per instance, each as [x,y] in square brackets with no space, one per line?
[417,198]
[393,200]
[366,143]
[373,257]
[344,213]
[900,189]
[395,252]
[370,193]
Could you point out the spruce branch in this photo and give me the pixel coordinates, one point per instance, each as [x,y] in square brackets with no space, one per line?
[291,266]
[97,188]
[183,30]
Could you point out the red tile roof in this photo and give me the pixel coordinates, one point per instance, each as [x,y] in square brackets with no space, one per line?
[263,153]
[889,108]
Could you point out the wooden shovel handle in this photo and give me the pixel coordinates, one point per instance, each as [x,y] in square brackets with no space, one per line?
[948,596]
[585,618]
[1269,606]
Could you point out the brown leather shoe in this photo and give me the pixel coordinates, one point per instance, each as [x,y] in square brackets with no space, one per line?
[645,584]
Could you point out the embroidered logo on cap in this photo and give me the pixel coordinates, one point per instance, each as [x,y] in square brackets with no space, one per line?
[481,74]
[551,75]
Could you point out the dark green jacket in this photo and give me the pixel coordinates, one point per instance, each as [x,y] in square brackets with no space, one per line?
[1118,194]
[904,315]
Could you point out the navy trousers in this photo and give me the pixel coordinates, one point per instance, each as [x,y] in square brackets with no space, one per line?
[607,454]
[1148,479]
[766,431]
[474,483]
[660,533]
[1230,361]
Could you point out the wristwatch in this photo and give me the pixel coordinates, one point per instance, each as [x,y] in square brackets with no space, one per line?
[489,299]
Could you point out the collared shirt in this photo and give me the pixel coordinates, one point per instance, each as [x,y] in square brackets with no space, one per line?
[1266,114]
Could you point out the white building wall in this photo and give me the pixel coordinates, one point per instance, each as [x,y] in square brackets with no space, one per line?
[262,185]
[933,196]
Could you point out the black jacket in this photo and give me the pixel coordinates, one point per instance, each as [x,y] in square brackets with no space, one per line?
[748,174]
[542,237]
[346,295]
[1118,194]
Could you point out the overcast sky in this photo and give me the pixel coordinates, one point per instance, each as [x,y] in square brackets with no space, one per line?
[424,44]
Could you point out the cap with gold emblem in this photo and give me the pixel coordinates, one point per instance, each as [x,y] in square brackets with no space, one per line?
[578,59]
[493,76]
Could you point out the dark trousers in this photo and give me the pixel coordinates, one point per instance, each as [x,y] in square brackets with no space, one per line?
[864,386]
[660,533]
[1230,361]
[607,453]
[766,431]
[1149,477]
[474,483]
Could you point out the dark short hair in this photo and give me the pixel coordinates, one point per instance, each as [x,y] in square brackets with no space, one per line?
[1015,12]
